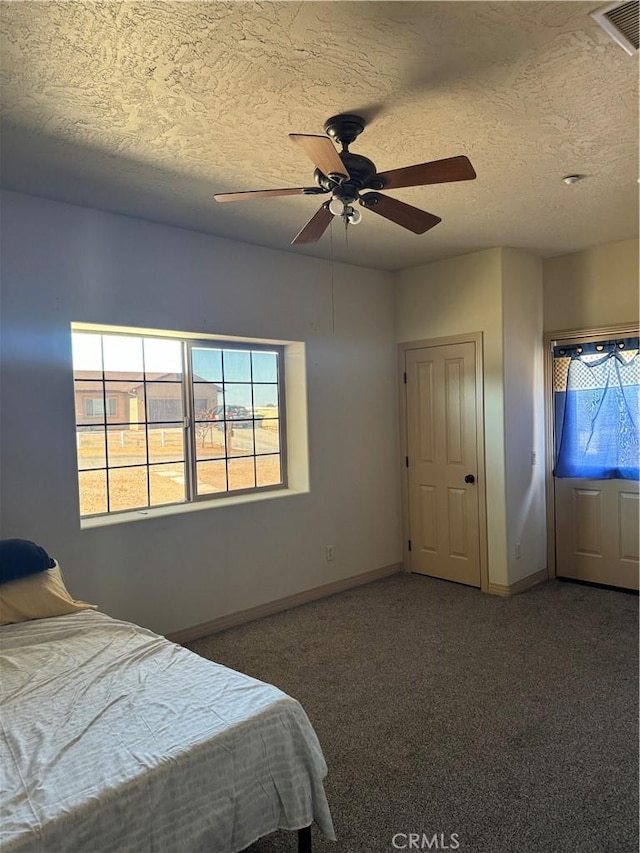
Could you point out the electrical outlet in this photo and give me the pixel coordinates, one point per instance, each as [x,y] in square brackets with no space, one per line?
[329,553]
[516,550]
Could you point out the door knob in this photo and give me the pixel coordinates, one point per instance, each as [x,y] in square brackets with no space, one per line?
[469,478]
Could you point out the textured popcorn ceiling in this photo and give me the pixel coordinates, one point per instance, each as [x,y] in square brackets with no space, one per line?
[148,108]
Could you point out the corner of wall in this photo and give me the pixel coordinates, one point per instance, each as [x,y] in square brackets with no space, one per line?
[522,298]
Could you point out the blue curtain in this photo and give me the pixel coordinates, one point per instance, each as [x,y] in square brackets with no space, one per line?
[597,414]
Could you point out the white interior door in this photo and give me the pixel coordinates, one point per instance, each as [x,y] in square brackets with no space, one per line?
[597,531]
[442,462]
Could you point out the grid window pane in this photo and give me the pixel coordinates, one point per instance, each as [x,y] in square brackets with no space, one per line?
[211,477]
[89,397]
[162,356]
[87,352]
[240,438]
[206,364]
[237,365]
[123,359]
[267,436]
[241,473]
[91,448]
[268,471]
[165,443]
[265,366]
[92,486]
[123,401]
[115,388]
[167,484]
[136,447]
[164,401]
[126,445]
[206,398]
[265,400]
[128,488]
[210,440]
[237,400]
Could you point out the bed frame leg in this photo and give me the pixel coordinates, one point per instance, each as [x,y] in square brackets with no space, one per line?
[304,840]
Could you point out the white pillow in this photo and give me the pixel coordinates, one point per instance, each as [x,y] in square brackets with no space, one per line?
[38,596]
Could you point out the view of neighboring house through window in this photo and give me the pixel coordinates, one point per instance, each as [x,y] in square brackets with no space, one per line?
[160,420]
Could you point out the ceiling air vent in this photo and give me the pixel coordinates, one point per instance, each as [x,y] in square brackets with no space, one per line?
[620,20]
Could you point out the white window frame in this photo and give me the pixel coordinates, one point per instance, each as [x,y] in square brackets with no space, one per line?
[293,425]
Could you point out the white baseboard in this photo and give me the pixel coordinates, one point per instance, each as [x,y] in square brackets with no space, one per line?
[519,586]
[187,635]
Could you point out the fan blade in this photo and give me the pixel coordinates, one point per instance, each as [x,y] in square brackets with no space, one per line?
[410,217]
[245,194]
[315,227]
[435,172]
[321,151]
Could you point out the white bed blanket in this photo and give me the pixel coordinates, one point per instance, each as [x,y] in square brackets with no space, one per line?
[114,739]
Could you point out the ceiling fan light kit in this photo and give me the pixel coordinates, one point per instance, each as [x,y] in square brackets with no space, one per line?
[346,176]
[350,215]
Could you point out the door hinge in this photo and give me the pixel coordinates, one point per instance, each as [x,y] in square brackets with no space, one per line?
[406,461]
[409,544]
[404,376]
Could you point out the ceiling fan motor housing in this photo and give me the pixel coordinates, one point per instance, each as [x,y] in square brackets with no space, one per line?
[344,128]
[362,173]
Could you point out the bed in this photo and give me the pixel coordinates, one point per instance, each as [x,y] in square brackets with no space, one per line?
[115,739]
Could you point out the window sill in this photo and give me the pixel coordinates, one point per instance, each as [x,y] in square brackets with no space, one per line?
[181,509]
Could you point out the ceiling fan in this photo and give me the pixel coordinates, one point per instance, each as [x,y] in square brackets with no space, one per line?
[346,176]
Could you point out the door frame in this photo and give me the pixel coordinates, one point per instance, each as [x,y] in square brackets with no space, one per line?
[477,339]
[564,336]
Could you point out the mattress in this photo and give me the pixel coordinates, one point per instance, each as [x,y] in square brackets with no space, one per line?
[114,739]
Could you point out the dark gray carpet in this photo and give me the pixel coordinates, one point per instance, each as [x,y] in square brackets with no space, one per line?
[512,723]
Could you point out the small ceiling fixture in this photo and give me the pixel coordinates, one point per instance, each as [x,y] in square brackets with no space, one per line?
[573,179]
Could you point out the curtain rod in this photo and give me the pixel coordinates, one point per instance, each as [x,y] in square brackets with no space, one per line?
[614,345]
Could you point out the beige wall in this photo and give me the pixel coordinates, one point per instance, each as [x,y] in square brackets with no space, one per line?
[497,292]
[451,298]
[595,287]
[524,413]
[63,263]
[513,298]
